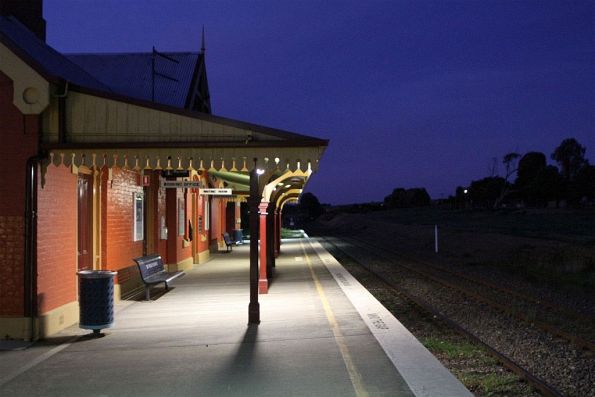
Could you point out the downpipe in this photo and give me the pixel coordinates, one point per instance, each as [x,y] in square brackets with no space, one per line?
[30,276]
[31,309]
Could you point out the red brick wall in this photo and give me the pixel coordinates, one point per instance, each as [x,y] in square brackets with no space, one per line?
[18,137]
[104,183]
[11,265]
[57,239]
[118,245]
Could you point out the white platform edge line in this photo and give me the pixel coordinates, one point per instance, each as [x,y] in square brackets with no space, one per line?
[421,370]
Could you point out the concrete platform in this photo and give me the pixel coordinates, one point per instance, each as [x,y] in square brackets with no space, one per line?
[322,334]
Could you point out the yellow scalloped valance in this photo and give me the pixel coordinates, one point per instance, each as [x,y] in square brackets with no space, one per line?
[199,159]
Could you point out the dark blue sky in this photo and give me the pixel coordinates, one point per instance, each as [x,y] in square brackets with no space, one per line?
[410,93]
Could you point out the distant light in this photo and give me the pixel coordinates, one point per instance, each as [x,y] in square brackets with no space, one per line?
[465,191]
[259,171]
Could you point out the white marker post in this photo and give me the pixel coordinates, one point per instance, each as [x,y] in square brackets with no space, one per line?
[436,238]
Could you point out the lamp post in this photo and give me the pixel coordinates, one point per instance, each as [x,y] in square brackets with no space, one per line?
[254,201]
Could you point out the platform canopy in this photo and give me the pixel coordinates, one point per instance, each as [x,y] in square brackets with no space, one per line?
[99,129]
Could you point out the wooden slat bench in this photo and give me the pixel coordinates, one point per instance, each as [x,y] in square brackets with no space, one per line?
[153,272]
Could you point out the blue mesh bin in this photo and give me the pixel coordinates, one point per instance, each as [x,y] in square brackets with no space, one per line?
[96,299]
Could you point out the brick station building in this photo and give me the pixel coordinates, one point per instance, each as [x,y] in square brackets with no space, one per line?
[86,143]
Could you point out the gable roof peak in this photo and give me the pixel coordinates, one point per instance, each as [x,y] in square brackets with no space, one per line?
[202,41]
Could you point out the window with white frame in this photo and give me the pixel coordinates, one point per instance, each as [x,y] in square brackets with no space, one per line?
[181,217]
[139,216]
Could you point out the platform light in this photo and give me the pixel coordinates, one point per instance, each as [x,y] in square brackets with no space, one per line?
[259,171]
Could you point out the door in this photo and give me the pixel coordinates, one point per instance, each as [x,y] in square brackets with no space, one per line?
[85,222]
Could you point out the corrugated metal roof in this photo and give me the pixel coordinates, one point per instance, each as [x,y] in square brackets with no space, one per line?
[130,74]
[127,77]
[49,60]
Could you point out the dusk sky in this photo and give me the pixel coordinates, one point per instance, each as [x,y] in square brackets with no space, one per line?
[410,93]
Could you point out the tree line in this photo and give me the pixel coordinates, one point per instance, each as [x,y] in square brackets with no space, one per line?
[530,181]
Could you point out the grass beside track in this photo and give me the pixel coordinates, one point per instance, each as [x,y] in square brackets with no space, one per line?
[478,372]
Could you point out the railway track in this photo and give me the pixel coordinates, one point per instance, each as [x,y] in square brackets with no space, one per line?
[549,316]
[530,366]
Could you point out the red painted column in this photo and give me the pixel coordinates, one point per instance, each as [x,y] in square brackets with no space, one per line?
[280,229]
[277,233]
[271,240]
[263,282]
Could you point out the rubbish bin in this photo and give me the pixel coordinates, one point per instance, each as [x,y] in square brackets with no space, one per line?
[238,236]
[96,299]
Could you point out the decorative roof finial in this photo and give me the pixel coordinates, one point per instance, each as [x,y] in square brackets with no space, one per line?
[202,47]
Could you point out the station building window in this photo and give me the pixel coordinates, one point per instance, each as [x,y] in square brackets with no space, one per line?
[139,219]
[181,217]
[207,213]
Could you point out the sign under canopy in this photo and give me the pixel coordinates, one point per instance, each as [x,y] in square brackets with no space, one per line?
[180,184]
[215,192]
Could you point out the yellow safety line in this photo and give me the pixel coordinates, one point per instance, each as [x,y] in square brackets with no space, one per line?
[356,379]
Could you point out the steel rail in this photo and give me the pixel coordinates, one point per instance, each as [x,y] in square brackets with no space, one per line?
[551,329]
[542,302]
[509,363]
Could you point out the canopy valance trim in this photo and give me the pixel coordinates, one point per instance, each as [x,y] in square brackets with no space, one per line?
[199,159]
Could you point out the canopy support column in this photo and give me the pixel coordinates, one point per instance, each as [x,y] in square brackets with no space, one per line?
[271,240]
[263,282]
[280,220]
[278,228]
[253,201]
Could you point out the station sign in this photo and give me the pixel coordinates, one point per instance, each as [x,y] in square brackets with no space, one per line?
[180,184]
[175,173]
[215,192]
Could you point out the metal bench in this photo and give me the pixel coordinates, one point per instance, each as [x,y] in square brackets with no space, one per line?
[153,272]
[228,242]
